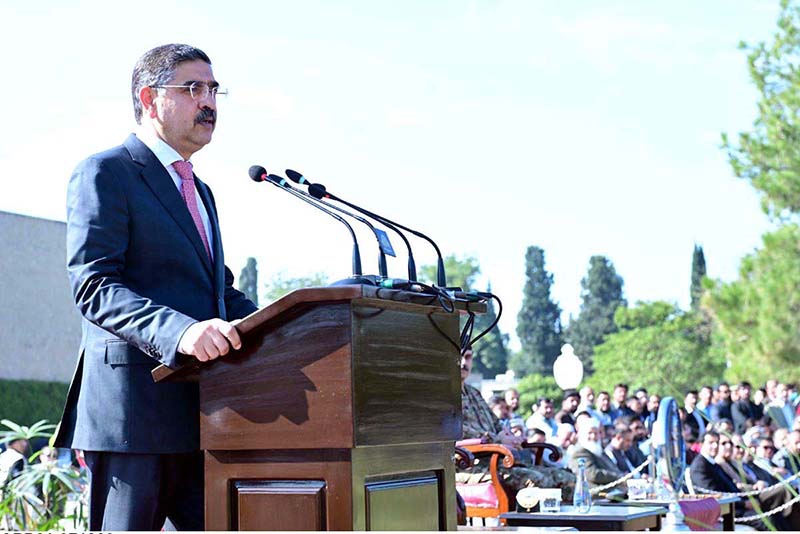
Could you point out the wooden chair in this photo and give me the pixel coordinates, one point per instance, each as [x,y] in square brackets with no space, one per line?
[490,499]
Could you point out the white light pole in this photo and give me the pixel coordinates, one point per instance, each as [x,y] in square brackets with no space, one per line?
[568,368]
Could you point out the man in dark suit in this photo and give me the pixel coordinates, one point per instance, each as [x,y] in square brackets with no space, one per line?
[743,409]
[708,475]
[146,266]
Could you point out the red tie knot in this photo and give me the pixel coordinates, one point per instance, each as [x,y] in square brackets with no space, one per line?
[184,169]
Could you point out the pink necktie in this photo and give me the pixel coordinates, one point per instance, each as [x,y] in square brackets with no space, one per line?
[184,169]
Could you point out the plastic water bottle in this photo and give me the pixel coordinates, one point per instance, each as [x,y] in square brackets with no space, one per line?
[582,499]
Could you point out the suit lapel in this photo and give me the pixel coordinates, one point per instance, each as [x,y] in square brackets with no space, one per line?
[216,240]
[159,181]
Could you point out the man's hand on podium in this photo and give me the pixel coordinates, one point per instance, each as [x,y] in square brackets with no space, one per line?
[208,340]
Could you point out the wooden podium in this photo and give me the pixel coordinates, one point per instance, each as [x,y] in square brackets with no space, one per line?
[339,413]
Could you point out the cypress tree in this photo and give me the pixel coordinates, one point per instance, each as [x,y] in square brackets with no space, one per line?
[248,280]
[698,272]
[601,295]
[539,319]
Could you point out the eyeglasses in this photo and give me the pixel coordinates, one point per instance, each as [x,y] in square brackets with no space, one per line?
[766,447]
[197,90]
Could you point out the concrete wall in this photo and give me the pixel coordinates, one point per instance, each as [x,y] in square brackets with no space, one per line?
[40,328]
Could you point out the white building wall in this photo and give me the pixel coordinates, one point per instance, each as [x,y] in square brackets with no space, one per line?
[39,325]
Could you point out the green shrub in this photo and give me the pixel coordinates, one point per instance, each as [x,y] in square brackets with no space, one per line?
[28,401]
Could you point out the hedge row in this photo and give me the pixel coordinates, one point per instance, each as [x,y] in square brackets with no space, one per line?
[28,401]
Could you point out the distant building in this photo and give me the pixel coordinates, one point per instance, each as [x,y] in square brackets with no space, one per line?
[40,328]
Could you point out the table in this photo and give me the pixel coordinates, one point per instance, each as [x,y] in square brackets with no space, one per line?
[727,506]
[600,517]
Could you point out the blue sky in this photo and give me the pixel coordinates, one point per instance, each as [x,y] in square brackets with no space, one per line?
[581,127]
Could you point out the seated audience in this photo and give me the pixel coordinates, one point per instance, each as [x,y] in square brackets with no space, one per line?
[480,422]
[707,474]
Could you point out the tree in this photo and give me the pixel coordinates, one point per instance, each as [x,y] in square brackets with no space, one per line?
[539,319]
[601,296]
[460,272]
[659,347]
[248,280]
[757,316]
[769,155]
[698,273]
[280,285]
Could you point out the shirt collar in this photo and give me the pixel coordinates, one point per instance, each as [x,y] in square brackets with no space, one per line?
[165,153]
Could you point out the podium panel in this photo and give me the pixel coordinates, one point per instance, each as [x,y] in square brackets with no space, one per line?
[340,412]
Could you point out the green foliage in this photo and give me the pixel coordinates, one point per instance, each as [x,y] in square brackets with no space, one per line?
[539,319]
[698,273]
[40,429]
[280,284]
[28,401]
[660,347]
[769,155]
[757,316]
[601,296]
[461,272]
[36,500]
[533,386]
[248,280]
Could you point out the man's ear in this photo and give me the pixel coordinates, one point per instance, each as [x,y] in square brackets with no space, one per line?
[147,96]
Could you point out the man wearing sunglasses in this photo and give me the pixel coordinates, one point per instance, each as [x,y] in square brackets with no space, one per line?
[146,266]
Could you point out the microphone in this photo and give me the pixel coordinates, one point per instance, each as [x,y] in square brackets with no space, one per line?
[259,174]
[319,191]
[384,245]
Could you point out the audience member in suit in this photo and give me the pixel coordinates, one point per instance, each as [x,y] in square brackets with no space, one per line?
[743,409]
[619,408]
[146,266]
[721,409]
[732,459]
[694,417]
[706,474]
[621,441]
[639,434]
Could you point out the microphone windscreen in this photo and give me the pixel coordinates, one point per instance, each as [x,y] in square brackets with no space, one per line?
[295,176]
[257,173]
[317,190]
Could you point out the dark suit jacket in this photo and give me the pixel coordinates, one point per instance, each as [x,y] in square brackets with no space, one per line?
[710,476]
[742,410]
[620,460]
[140,277]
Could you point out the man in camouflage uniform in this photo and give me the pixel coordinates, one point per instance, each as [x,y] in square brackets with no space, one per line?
[480,422]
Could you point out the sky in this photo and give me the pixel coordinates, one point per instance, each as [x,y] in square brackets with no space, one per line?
[584,128]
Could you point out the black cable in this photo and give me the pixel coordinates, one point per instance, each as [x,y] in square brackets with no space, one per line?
[466,333]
